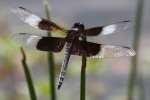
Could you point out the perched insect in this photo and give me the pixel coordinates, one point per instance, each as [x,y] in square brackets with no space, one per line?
[72,43]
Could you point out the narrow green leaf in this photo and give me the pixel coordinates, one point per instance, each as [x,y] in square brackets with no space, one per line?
[28,76]
[137,33]
[83,76]
[141,87]
[50,58]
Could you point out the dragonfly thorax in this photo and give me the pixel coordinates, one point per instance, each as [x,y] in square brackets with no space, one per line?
[75,32]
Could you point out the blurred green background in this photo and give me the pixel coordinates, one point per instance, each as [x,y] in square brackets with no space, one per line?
[107,79]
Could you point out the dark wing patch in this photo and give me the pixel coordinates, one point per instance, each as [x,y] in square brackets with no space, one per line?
[50,26]
[93,31]
[85,48]
[51,44]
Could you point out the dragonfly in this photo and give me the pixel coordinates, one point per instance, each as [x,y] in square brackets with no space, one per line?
[72,42]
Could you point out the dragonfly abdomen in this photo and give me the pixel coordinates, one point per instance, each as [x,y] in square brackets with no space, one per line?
[64,64]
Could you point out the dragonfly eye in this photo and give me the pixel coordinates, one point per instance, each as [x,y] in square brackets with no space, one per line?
[79,26]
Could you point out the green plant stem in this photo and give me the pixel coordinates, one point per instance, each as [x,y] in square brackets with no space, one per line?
[50,59]
[83,79]
[52,75]
[141,88]
[83,76]
[28,76]
[137,34]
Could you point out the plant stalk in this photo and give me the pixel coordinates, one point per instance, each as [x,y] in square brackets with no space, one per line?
[28,76]
[83,75]
[50,58]
[137,33]
[141,88]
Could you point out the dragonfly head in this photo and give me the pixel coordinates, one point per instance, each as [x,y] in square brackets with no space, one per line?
[78,27]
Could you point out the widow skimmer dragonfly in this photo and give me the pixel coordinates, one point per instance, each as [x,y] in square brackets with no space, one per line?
[72,43]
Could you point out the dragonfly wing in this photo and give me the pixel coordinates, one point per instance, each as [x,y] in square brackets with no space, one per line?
[107,29]
[39,42]
[100,50]
[109,51]
[35,21]
[85,48]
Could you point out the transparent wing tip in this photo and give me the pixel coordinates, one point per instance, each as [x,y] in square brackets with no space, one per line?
[125,21]
[15,10]
[26,39]
[21,12]
[27,16]
[109,51]
[20,7]
[20,38]
[131,52]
